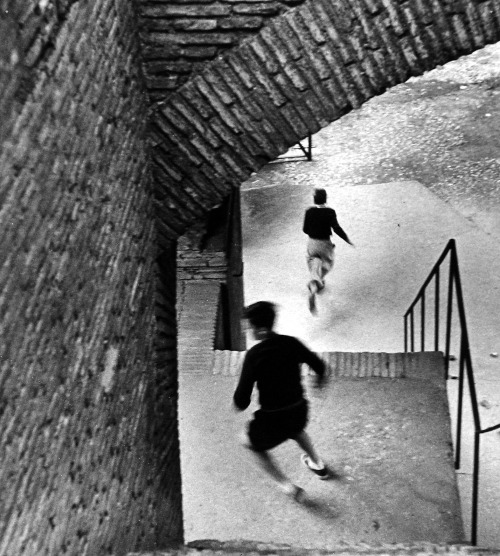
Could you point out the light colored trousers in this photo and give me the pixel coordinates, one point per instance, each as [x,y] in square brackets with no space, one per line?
[320,259]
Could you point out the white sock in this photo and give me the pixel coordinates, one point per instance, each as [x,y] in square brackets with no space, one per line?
[288,487]
[313,465]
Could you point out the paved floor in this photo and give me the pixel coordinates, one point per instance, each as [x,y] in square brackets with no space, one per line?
[399,230]
[389,438]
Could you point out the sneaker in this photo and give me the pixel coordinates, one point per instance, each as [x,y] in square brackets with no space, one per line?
[322,472]
[295,493]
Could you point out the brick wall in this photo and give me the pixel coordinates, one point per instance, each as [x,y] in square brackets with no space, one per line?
[303,70]
[88,432]
[181,36]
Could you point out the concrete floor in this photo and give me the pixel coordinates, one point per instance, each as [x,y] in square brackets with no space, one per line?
[388,438]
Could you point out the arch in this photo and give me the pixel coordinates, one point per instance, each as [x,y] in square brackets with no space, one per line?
[304,70]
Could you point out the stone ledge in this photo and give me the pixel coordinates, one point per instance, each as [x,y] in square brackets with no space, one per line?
[233,548]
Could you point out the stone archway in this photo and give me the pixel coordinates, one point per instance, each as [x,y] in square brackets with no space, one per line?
[305,69]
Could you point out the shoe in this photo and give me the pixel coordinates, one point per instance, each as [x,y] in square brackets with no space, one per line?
[298,494]
[295,493]
[323,473]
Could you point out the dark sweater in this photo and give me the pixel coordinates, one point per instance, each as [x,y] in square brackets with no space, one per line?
[319,223]
[274,365]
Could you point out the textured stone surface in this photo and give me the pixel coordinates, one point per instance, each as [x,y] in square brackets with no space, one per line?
[239,547]
[388,439]
[196,32]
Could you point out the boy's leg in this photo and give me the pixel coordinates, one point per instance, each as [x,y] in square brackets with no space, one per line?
[327,262]
[305,442]
[268,464]
[311,459]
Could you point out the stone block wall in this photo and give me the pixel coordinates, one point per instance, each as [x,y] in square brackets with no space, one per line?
[88,427]
[211,251]
[180,36]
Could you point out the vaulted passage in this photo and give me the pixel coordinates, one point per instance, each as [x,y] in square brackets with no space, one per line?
[305,69]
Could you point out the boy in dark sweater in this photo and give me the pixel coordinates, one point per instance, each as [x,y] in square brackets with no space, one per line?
[319,221]
[274,365]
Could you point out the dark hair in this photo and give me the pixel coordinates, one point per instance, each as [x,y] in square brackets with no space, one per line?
[320,196]
[261,314]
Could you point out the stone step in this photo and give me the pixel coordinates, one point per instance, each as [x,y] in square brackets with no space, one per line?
[239,548]
[341,364]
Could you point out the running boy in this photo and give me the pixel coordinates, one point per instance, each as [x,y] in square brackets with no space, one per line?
[319,221]
[274,365]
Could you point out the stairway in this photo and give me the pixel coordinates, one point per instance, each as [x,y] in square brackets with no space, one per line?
[239,548]
[342,364]
[382,421]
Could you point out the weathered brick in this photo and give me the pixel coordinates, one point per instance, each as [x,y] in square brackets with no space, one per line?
[193,96]
[446,31]
[475,25]
[260,76]
[460,31]
[265,54]
[489,20]
[234,83]
[309,20]
[219,107]
[198,52]
[257,8]
[195,24]
[176,10]
[242,22]
[186,39]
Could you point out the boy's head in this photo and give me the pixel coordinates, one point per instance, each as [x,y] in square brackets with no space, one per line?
[319,196]
[261,314]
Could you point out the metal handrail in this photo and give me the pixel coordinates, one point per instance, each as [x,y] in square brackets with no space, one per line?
[465,360]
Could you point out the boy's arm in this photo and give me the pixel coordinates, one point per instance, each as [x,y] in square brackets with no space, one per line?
[305,227]
[243,393]
[338,229]
[316,363]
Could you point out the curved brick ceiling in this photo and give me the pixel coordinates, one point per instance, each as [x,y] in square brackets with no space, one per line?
[180,37]
[305,69]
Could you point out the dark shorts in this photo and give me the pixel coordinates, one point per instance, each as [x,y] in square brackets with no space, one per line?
[268,429]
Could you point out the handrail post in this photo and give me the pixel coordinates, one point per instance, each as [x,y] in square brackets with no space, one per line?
[449,313]
[436,312]
[475,488]
[422,323]
[458,439]
[412,331]
[406,332]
